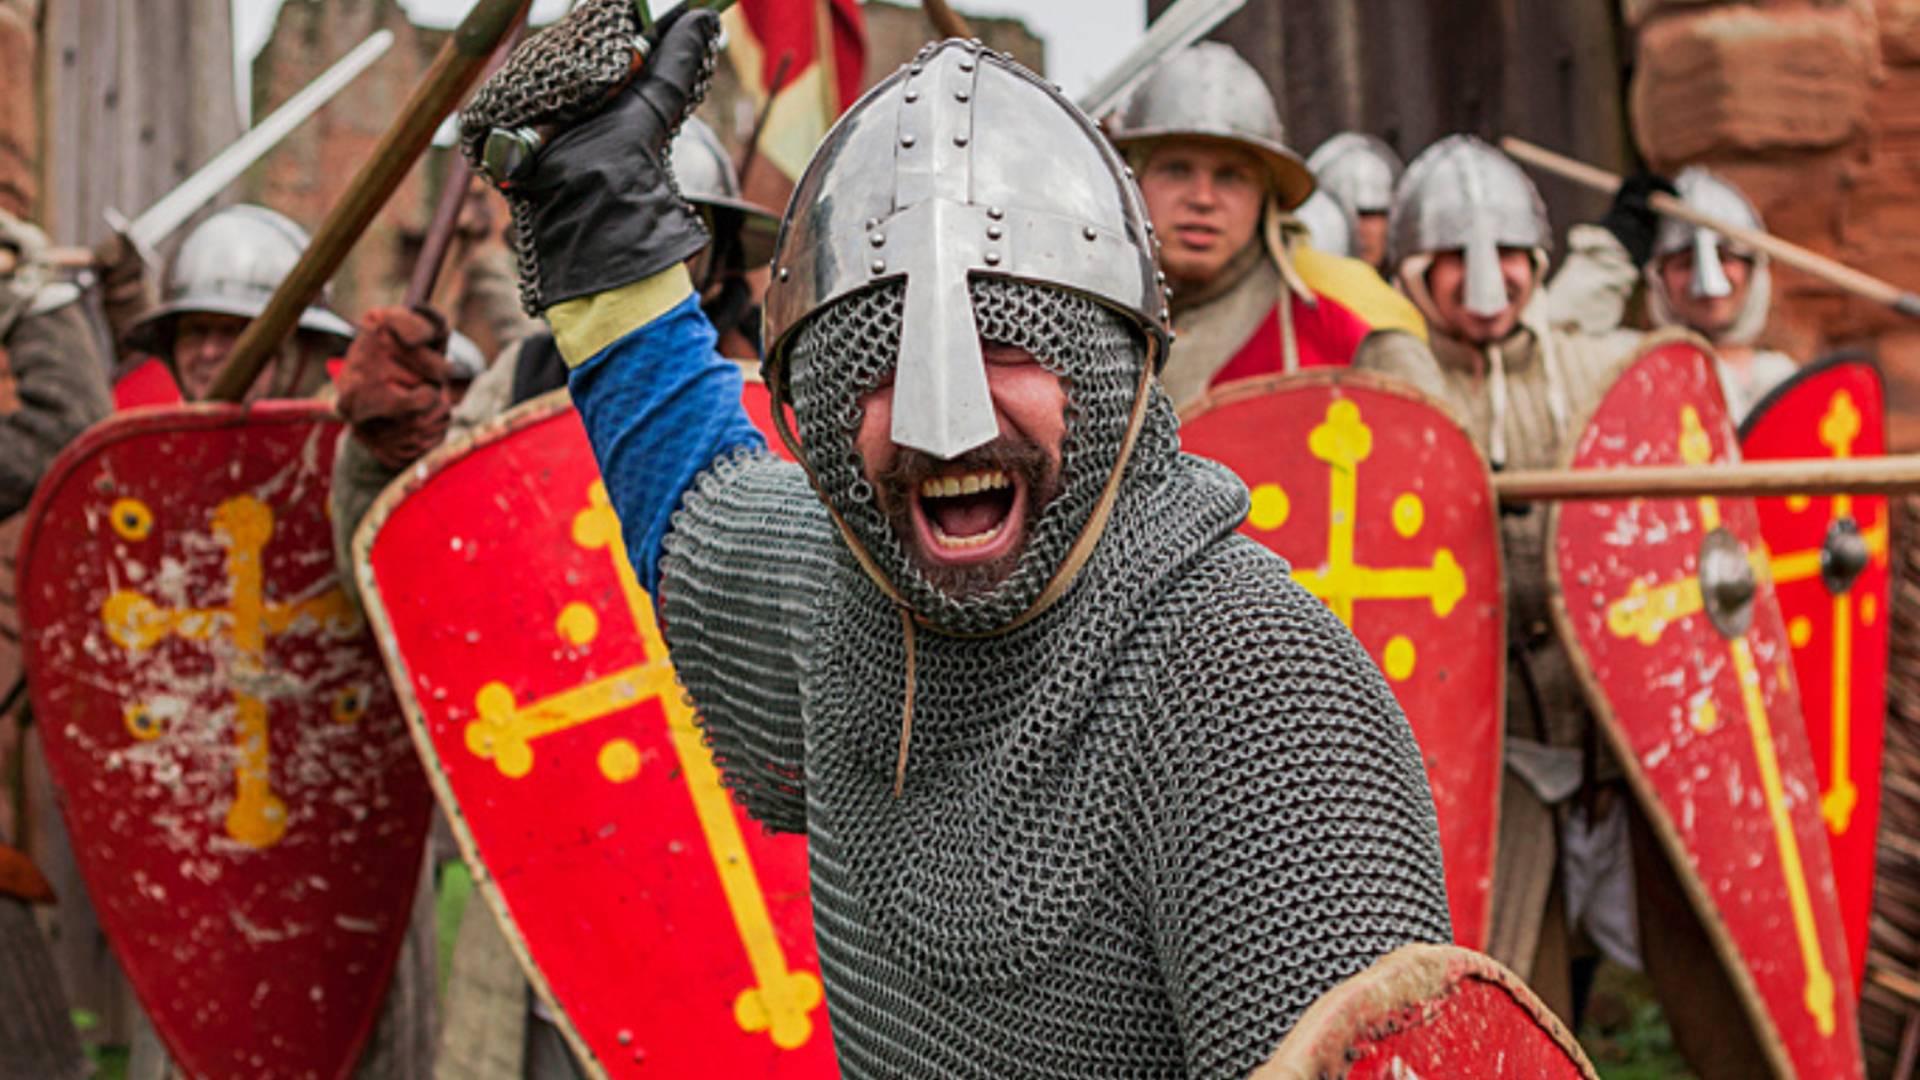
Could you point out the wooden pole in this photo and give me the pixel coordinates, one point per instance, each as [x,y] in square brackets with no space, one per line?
[947,22]
[453,199]
[1895,475]
[453,73]
[1833,272]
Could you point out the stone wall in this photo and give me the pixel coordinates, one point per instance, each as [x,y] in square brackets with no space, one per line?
[19,97]
[306,175]
[1811,107]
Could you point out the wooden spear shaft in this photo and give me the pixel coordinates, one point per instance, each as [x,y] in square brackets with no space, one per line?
[946,21]
[1895,475]
[453,73]
[453,199]
[1835,273]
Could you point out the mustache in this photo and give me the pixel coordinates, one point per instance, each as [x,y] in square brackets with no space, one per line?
[896,485]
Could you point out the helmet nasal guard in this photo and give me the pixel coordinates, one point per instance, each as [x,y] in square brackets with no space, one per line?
[961,164]
[1463,195]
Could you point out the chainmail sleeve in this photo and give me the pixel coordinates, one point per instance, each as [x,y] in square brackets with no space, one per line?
[744,559]
[1288,831]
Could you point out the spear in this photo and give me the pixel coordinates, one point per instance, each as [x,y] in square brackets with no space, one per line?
[453,198]
[1897,474]
[1833,272]
[453,73]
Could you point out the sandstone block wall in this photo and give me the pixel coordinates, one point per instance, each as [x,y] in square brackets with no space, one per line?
[1812,107]
[19,120]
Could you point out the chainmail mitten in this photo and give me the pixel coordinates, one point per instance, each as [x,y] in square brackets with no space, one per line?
[599,206]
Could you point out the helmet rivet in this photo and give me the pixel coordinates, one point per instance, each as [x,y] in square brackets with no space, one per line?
[873,223]
[995,232]
[878,239]
[911,96]
[993,258]
[785,273]
[966,65]
[996,213]
[914,68]
[1090,233]
[879,266]
[907,140]
[961,96]
[959,140]
[1128,169]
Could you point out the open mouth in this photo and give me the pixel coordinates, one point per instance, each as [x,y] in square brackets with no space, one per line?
[966,516]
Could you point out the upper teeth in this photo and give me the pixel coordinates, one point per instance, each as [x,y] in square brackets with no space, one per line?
[963,483]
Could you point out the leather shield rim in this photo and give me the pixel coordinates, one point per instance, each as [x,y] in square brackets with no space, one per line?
[373,605]
[1728,953]
[117,427]
[1408,977]
[1240,390]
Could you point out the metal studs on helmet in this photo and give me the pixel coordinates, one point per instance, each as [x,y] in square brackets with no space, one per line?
[1463,195]
[1359,170]
[1208,92]
[962,164]
[230,265]
[1711,195]
[704,171]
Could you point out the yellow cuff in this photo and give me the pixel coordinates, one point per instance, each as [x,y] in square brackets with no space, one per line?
[583,328]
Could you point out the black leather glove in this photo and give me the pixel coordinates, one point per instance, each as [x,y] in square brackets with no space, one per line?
[597,206]
[1632,219]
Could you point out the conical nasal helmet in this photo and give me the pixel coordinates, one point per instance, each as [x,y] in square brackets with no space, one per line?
[1463,195]
[963,164]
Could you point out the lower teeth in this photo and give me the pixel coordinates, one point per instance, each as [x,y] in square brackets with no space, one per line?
[962,542]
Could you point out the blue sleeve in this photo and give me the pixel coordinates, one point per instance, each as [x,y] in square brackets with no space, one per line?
[659,405]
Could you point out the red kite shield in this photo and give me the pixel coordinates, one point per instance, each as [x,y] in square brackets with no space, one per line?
[671,934]
[1829,562]
[1684,654]
[1429,1011]
[245,806]
[1384,508]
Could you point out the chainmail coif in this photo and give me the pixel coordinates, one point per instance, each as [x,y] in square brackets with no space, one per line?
[1139,834]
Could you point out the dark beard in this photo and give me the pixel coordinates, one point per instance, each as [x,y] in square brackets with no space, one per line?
[894,493]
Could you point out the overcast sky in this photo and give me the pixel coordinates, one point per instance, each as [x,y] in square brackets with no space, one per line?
[1083,36]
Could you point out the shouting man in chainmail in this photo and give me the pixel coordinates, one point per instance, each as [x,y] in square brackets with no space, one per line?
[1091,787]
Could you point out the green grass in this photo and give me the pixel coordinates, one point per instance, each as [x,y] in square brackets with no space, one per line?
[450,905]
[1626,1034]
[109,1062]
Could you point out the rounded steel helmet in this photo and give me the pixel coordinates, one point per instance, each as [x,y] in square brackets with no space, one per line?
[1359,170]
[1463,195]
[704,171]
[961,164]
[230,265]
[1708,194]
[1329,223]
[1713,195]
[1208,92]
